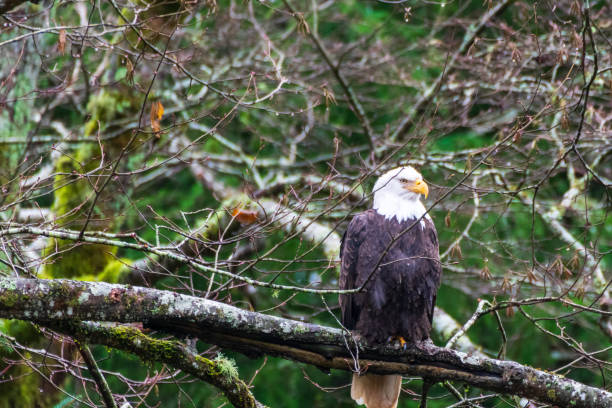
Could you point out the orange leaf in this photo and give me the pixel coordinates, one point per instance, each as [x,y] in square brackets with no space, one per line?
[157,111]
[160,110]
[244,216]
[61,41]
[447,219]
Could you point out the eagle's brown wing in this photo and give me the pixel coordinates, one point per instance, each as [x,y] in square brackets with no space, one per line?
[349,255]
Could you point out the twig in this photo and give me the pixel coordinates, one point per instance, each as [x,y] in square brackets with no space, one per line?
[103,387]
[468,324]
[430,92]
[335,69]
[172,353]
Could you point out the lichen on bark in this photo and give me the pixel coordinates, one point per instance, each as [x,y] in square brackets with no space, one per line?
[255,334]
[219,372]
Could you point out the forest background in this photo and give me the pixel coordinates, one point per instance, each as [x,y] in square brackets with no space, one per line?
[218,149]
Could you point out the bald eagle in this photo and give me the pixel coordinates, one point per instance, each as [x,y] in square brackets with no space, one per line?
[393,249]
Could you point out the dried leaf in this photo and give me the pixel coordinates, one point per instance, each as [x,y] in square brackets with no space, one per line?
[129,74]
[447,219]
[61,41]
[531,276]
[329,96]
[212,6]
[485,273]
[557,266]
[160,110]
[506,284]
[574,263]
[245,216]
[456,252]
[157,111]
[302,24]
[575,8]
[565,123]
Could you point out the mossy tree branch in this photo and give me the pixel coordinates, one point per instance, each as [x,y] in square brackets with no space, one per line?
[173,353]
[52,302]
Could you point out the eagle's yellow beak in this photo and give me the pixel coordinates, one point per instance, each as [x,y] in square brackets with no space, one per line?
[419,187]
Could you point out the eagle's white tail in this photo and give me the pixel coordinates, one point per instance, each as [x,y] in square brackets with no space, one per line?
[376,391]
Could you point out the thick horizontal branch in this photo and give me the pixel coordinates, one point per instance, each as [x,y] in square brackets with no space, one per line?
[52,301]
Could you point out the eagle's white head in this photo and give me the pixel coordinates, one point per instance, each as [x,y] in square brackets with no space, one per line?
[397,194]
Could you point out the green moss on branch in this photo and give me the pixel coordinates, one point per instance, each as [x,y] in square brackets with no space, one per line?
[53,302]
[173,353]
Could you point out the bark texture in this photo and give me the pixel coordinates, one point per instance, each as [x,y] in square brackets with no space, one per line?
[55,301]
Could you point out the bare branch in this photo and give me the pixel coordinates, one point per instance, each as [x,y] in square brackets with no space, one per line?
[103,388]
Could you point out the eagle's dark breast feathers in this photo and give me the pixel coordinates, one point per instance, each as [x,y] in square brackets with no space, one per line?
[400,296]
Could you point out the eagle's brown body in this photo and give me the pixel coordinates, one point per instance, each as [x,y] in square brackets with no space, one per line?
[400,295]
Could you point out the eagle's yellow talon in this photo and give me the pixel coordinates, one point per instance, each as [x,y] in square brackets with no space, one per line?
[403,343]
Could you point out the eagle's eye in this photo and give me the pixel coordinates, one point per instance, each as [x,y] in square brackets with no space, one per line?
[403,180]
